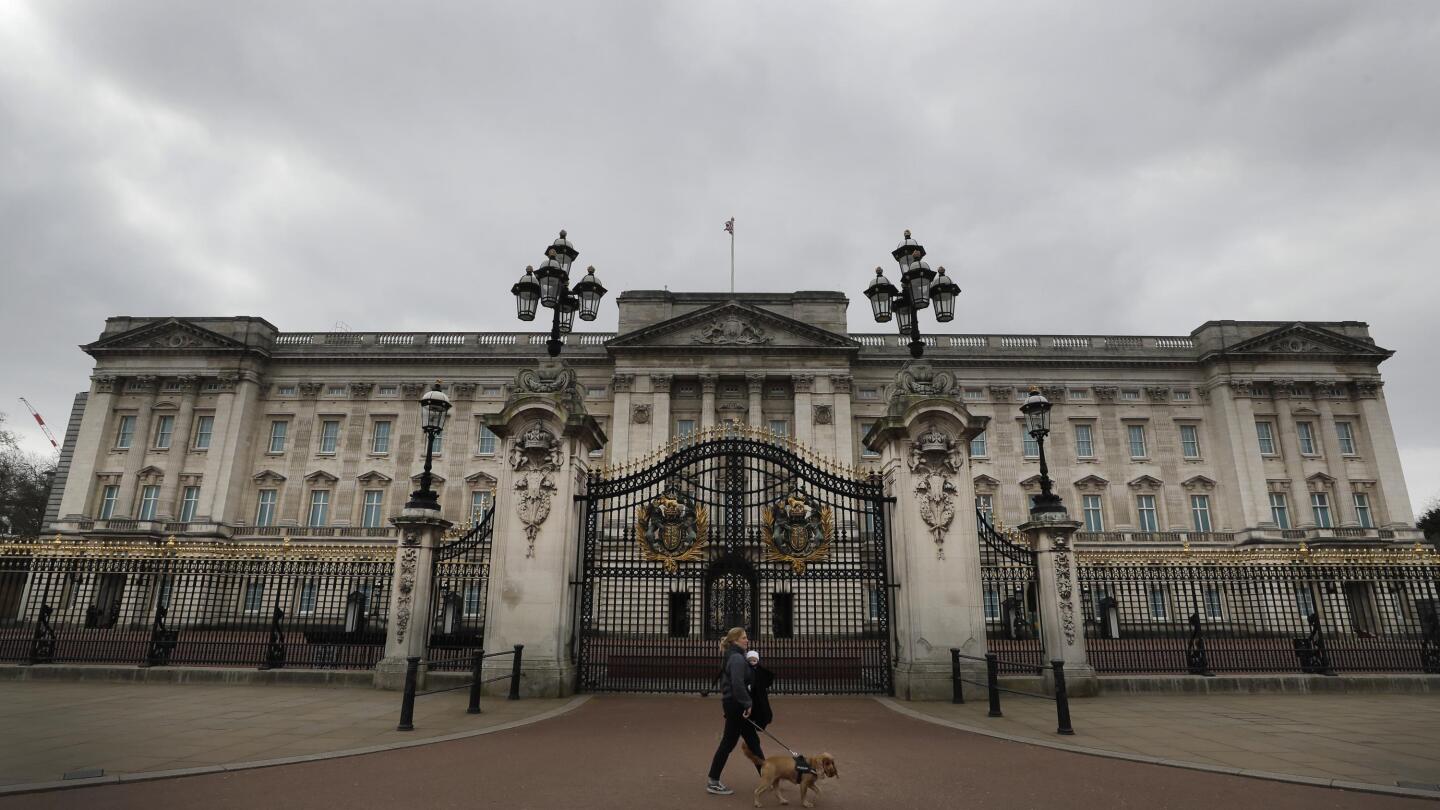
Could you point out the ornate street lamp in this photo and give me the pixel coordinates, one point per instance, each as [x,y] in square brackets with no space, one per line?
[549,286]
[919,287]
[1037,423]
[434,407]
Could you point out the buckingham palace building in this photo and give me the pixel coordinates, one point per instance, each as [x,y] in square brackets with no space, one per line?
[1237,433]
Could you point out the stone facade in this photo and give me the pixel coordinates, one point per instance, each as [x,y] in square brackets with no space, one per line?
[227,427]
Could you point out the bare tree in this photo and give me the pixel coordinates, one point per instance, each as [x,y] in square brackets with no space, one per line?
[24,485]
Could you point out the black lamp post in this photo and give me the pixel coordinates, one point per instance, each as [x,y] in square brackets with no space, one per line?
[550,287]
[1037,422]
[434,407]
[919,288]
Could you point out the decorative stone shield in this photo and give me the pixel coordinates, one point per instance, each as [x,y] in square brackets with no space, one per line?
[797,530]
[671,529]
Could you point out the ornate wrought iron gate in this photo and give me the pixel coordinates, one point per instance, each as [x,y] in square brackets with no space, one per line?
[461,583]
[731,531]
[1012,614]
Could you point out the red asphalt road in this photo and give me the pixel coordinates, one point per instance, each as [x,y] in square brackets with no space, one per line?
[652,752]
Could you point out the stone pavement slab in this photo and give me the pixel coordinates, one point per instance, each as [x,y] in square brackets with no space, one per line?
[49,729]
[1380,739]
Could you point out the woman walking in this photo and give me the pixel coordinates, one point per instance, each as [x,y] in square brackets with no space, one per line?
[735,700]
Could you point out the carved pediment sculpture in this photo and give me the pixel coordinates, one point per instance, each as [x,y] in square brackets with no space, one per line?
[921,379]
[640,414]
[934,460]
[731,331]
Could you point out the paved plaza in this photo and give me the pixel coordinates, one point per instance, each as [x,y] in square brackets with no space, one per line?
[651,751]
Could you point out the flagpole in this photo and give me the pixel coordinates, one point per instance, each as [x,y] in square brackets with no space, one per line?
[732,260]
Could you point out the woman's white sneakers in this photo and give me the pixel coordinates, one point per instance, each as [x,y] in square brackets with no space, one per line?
[714,786]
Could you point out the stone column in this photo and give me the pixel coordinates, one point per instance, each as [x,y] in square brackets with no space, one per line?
[842,384]
[707,401]
[1303,517]
[94,434]
[548,437]
[755,416]
[179,447]
[128,506]
[620,422]
[660,413]
[407,632]
[229,453]
[804,408]
[1062,620]
[1388,475]
[1232,399]
[1335,461]
[923,441]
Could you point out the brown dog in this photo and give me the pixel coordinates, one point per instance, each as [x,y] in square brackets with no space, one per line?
[781,767]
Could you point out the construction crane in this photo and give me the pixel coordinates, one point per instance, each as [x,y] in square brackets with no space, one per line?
[41,422]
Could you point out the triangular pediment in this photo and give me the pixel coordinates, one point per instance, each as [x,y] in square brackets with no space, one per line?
[1092,482]
[481,480]
[1322,478]
[166,335]
[1200,482]
[321,475]
[1304,340]
[1033,482]
[986,483]
[729,327]
[374,476]
[435,478]
[1145,482]
[268,475]
[149,471]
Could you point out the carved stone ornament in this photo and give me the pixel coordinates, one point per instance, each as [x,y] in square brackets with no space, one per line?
[824,414]
[1065,588]
[803,383]
[661,383]
[463,390]
[405,592]
[413,390]
[548,378]
[921,379]
[672,529]
[797,530]
[105,383]
[361,390]
[1158,393]
[535,456]
[934,459]
[1105,393]
[309,390]
[933,451]
[1367,389]
[1054,393]
[640,414]
[622,383]
[731,331]
[842,383]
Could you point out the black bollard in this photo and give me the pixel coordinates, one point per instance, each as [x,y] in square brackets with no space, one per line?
[992,683]
[957,688]
[1062,700]
[474,707]
[515,673]
[407,703]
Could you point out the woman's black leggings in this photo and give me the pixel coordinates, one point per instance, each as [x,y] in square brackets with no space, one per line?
[736,727]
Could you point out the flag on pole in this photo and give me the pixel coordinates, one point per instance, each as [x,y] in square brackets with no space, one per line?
[730,226]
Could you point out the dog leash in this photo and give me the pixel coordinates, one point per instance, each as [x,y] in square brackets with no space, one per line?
[801,766]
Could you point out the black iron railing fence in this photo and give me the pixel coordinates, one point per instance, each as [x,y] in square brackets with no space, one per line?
[1010,598]
[207,604]
[1323,612]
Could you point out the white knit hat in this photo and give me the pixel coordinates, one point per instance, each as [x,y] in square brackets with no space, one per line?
[753,657]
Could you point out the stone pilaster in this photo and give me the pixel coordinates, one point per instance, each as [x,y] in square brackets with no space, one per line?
[179,447]
[804,408]
[1233,400]
[128,506]
[755,416]
[1335,462]
[1062,619]
[81,498]
[621,384]
[707,400]
[1387,456]
[660,412]
[843,385]
[407,632]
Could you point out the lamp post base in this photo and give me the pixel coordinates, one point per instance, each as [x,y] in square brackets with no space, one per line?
[423,499]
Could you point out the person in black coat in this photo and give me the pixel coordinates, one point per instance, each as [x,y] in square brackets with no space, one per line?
[736,702]
[760,690]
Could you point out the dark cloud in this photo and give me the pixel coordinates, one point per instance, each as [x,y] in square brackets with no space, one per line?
[1128,167]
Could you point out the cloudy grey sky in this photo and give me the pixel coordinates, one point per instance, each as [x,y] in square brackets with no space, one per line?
[1116,167]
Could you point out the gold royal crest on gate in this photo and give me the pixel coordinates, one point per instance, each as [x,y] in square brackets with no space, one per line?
[671,529]
[797,531]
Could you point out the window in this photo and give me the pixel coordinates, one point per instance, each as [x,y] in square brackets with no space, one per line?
[977,445]
[479,505]
[1362,510]
[1030,447]
[1200,512]
[679,614]
[125,436]
[782,618]
[319,507]
[1279,510]
[1304,599]
[1077,393]
[1131,394]
[335,391]
[1182,394]
[1137,441]
[1212,603]
[254,596]
[1145,510]
[370,513]
[1266,433]
[472,599]
[985,505]
[107,501]
[1320,505]
[437,443]
[265,510]
[1094,516]
[329,435]
[380,437]
[204,426]
[1084,441]
[189,502]
[866,452]
[278,429]
[684,427]
[1347,438]
[872,600]
[164,429]
[974,393]
[1306,432]
[1158,607]
[779,427]
[286,390]
[388,390]
[149,500]
[1189,441]
[308,593]
[488,439]
[992,605]
[869,393]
